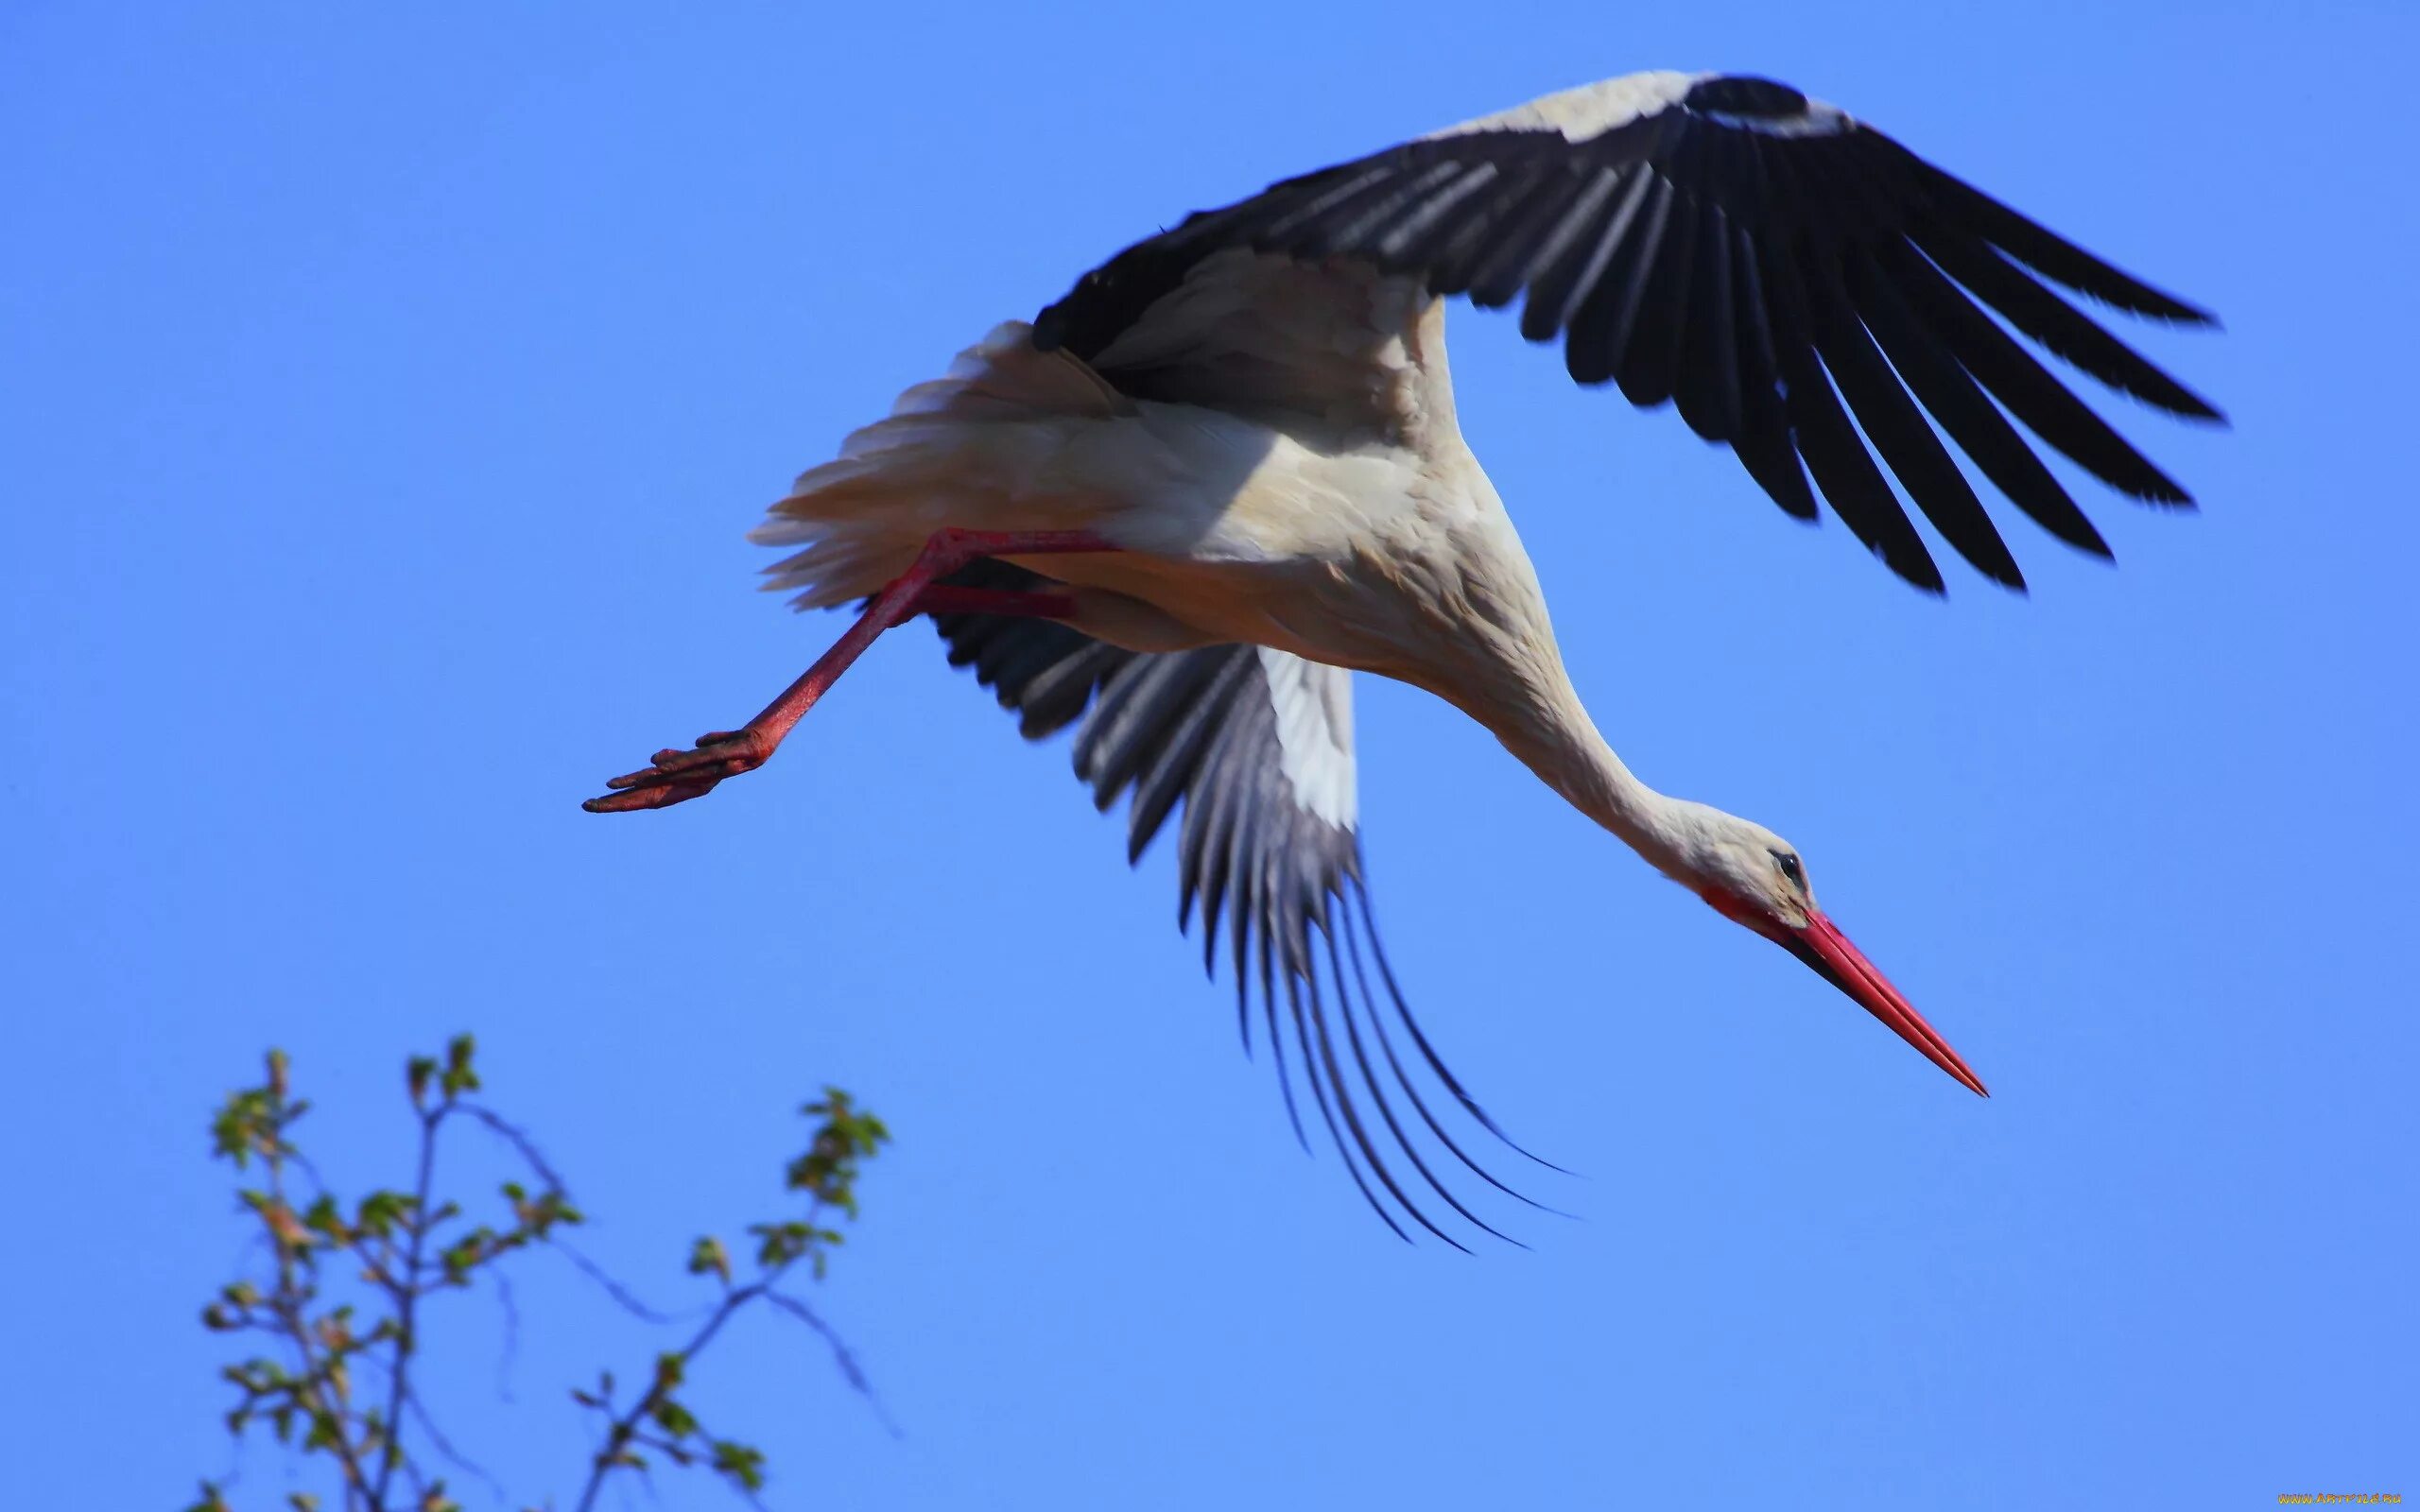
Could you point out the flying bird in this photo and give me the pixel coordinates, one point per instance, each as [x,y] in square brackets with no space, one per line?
[1185,502]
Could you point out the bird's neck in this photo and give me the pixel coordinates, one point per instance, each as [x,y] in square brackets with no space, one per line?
[1531,707]
[1491,652]
[1577,762]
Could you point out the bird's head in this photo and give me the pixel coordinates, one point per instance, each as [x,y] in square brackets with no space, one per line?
[1755,878]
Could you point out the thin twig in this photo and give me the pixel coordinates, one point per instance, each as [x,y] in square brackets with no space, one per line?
[511,1334]
[512,1134]
[453,1456]
[375,1267]
[840,1353]
[406,1297]
[614,1288]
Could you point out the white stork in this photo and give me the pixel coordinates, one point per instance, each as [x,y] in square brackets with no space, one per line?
[1223,471]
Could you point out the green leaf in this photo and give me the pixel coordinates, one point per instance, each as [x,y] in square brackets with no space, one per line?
[378,1213]
[459,1077]
[417,1072]
[741,1462]
[321,1217]
[212,1500]
[674,1418]
[326,1432]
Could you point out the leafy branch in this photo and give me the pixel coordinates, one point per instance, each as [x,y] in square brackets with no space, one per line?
[659,1419]
[338,1306]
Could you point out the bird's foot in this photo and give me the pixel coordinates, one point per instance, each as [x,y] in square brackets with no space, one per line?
[678,776]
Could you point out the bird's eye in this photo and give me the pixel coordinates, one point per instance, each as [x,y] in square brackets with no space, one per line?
[1791,869]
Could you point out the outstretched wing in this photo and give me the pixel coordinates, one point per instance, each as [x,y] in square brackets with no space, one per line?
[1766,262]
[1257,744]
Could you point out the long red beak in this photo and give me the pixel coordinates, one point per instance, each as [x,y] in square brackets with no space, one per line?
[1822,946]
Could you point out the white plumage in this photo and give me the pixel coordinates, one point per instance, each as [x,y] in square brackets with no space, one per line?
[1226,468]
[1314,704]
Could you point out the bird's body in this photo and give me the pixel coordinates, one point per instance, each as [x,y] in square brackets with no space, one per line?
[1378,547]
[1309,533]
[1226,470]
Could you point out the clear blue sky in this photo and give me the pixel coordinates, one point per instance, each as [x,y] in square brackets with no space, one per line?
[382,400]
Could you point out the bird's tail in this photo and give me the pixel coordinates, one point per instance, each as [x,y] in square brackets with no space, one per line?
[965,450]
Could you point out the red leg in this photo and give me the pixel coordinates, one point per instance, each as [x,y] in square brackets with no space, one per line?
[677,776]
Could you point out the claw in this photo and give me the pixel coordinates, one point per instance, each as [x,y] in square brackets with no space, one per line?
[636,799]
[678,776]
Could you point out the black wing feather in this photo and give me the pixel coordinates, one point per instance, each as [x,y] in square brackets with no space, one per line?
[1707,388]
[1764,444]
[1649,362]
[1573,250]
[1452,249]
[1952,396]
[1842,466]
[2062,329]
[2032,394]
[1898,431]
[1600,327]
[1959,203]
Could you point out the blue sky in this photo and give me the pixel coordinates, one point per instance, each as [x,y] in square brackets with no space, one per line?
[385,395]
